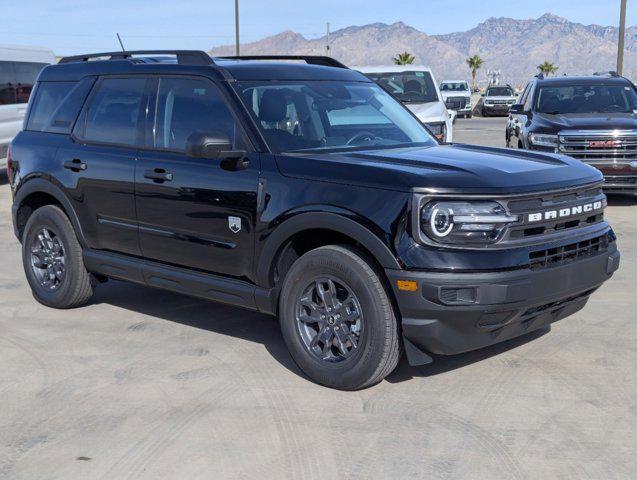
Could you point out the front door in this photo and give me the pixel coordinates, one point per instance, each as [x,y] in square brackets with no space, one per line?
[195,212]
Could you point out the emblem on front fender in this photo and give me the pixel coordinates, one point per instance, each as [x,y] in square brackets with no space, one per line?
[234,224]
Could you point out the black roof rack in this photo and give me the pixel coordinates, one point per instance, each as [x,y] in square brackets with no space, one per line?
[540,76]
[184,57]
[610,73]
[310,59]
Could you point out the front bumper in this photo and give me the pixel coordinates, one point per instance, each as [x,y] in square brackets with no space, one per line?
[452,313]
[496,109]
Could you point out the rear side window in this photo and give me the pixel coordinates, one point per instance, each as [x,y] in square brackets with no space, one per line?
[17,80]
[56,105]
[186,106]
[117,111]
[49,97]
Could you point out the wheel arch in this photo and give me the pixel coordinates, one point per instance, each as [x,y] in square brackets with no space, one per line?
[37,193]
[332,227]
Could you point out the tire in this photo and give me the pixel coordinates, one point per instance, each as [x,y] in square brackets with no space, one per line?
[70,288]
[376,329]
[468,115]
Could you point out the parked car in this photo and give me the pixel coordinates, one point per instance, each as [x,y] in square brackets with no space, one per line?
[497,100]
[588,118]
[304,191]
[457,96]
[416,87]
[19,68]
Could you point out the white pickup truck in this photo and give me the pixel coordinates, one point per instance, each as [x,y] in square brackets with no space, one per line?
[19,68]
[457,96]
[416,87]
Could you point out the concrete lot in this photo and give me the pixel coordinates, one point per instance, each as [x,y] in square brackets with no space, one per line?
[144,384]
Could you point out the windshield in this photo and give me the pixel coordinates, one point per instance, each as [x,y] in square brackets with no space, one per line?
[408,87]
[325,115]
[499,92]
[587,99]
[454,87]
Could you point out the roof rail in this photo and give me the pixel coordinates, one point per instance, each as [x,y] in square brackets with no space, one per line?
[184,57]
[540,76]
[611,73]
[310,59]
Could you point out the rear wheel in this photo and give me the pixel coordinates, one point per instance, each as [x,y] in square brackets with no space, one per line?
[337,319]
[52,259]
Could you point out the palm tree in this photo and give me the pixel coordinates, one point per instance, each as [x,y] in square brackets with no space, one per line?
[474,62]
[547,68]
[404,58]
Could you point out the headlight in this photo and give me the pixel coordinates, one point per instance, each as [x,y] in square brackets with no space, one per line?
[438,129]
[464,223]
[543,140]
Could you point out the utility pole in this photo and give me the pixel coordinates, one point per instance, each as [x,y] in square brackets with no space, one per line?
[327,45]
[236,27]
[622,33]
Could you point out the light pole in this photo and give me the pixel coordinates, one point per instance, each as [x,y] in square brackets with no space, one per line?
[236,26]
[622,33]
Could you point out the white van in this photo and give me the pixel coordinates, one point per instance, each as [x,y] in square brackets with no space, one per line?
[416,87]
[19,68]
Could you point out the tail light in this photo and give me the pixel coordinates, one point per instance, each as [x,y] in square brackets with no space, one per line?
[9,172]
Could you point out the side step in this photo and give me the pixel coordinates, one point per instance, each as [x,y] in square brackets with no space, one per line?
[181,280]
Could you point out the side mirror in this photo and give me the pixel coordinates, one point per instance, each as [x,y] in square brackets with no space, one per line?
[516,109]
[483,94]
[207,144]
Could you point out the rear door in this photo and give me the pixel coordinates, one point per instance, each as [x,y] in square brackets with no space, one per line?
[99,162]
[195,212]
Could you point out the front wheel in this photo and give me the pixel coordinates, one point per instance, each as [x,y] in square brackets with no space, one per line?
[337,319]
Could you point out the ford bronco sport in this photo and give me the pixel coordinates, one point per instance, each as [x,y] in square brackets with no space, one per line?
[299,188]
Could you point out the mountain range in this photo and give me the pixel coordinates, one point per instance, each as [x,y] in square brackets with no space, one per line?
[514,47]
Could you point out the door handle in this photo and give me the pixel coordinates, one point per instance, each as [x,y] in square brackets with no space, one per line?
[75,165]
[158,175]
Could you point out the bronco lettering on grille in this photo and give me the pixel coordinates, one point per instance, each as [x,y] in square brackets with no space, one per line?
[564,212]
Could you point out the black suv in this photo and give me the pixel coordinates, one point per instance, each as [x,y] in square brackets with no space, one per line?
[304,190]
[593,119]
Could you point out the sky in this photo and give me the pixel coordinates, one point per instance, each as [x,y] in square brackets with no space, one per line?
[72,27]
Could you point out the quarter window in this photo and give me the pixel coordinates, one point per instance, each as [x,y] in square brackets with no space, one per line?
[49,96]
[186,106]
[117,112]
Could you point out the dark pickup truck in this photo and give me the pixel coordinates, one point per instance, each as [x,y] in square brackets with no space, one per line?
[299,188]
[592,119]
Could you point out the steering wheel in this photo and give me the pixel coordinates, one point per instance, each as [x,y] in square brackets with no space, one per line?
[363,136]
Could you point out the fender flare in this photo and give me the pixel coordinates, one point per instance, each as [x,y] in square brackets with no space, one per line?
[323,221]
[39,185]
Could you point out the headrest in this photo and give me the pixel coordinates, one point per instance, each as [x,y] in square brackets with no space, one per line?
[273,106]
[412,86]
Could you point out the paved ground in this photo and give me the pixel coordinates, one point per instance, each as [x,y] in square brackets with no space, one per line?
[143,384]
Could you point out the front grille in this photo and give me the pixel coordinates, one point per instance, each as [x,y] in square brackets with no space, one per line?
[499,102]
[553,257]
[456,103]
[599,146]
[555,201]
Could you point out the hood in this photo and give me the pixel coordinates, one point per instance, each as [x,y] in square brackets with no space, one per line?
[500,97]
[447,94]
[586,121]
[451,168]
[429,112]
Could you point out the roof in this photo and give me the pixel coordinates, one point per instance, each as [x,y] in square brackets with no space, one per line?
[583,80]
[453,81]
[392,68]
[192,63]
[21,53]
